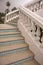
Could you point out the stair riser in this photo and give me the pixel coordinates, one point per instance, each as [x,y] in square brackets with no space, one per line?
[12,42]
[21,61]
[12,24]
[13,51]
[9,36]
[9,30]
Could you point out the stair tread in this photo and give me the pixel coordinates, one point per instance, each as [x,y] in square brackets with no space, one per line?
[11,23]
[5,33]
[10,39]
[30,62]
[10,58]
[5,26]
[12,46]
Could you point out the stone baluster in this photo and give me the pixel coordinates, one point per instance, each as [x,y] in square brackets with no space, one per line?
[38,33]
[24,18]
[32,8]
[41,4]
[33,28]
[9,16]
[12,15]
[29,24]
[35,7]
[20,16]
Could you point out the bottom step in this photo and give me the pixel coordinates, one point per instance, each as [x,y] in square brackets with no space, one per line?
[15,57]
[30,62]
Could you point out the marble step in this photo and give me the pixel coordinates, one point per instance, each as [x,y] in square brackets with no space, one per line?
[13,51]
[12,42]
[30,62]
[15,57]
[5,26]
[9,30]
[9,33]
[10,23]
[12,47]
[10,39]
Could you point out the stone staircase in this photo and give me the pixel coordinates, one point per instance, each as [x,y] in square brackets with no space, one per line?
[13,48]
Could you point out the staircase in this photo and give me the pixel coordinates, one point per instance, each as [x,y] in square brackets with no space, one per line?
[13,48]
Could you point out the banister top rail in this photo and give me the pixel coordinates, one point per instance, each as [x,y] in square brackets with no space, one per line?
[12,15]
[12,12]
[36,18]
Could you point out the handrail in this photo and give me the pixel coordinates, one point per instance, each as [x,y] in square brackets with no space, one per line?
[11,15]
[12,12]
[36,18]
[31,26]
[33,20]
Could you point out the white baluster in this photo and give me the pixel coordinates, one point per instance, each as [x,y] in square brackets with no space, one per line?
[38,33]
[29,24]
[35,7]
[41,5]
[32,8]
[24,19]
[33,28]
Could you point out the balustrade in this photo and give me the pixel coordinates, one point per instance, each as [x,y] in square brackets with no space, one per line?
[11,16]
[36,6]
[33,28]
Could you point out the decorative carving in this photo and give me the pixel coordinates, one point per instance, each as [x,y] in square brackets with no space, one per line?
[36,6]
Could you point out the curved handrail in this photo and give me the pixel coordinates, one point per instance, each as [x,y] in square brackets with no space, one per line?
[36,18]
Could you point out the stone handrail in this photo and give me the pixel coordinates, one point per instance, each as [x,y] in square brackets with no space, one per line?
[31,26]
[33,22]
[11,15]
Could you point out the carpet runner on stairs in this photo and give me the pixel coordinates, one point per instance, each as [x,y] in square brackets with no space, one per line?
[13,48]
